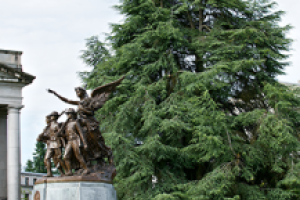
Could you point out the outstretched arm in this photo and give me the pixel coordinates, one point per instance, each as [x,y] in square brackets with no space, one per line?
[63,98]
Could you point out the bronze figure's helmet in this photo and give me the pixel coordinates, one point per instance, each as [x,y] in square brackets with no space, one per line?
[70,110]
[54,113]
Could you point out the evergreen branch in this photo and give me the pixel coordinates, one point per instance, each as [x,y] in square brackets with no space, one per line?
[229,140]
[204,26]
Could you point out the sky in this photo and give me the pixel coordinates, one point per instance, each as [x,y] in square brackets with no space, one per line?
[51,35]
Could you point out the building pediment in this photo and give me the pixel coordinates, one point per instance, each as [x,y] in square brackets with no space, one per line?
[11,75]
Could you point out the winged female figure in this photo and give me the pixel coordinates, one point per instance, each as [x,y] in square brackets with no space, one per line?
[86,107]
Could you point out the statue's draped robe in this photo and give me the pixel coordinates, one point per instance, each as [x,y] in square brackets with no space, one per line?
[96,144]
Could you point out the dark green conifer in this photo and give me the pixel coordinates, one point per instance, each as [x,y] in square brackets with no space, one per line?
[38,157]
[29,166]
[200,114]
[38,165]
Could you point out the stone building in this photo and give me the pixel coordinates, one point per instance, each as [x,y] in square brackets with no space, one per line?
[12,80]
[28,179]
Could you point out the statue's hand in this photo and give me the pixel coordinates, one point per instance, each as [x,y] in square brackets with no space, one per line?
[85,147]
[51,91]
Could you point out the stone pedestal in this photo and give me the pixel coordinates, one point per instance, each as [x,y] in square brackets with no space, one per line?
[76,190]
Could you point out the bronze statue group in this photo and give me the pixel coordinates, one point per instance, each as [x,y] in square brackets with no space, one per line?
[79,136]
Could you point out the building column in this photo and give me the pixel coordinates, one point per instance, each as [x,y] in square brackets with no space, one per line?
[13,153]
[3,154]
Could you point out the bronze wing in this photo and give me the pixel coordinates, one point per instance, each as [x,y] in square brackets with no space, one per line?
[101,93]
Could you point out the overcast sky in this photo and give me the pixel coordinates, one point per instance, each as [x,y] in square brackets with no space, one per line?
[51,35]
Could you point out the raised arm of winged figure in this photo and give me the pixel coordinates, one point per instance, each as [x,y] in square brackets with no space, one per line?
[63,98]
[90,104]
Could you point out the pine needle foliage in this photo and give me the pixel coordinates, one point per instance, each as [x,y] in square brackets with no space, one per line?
[200,114]
[29,167]
[37,164]
[38,157]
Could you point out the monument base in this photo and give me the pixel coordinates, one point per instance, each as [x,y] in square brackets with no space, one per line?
[77,190]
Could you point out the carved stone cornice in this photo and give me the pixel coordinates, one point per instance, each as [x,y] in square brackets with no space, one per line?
[19,76]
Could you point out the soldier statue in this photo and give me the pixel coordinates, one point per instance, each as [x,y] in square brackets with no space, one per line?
[85,155]
[54,144]
[75,140]
[86,108]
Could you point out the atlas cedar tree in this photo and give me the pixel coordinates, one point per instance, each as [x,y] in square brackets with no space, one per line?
[200,110]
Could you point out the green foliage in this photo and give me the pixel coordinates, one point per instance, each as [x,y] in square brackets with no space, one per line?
[29,167]
[38,157]
[200,110]
[38,165]
[23,193]
[93,55]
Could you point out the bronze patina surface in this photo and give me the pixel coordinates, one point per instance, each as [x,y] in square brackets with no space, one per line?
[54,143]
[103,174]
[37,196]
[86,156]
